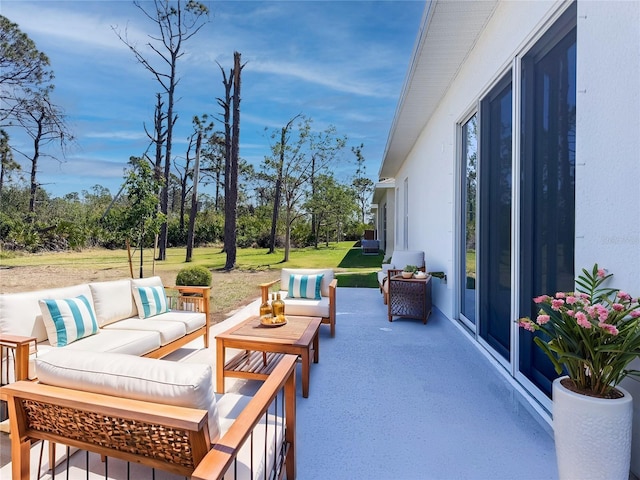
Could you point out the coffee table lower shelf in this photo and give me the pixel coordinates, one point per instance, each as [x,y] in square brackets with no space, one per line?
[252,365]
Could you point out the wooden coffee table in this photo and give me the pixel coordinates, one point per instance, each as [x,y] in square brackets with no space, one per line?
[264,347]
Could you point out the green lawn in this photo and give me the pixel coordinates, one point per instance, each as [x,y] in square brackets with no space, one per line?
[352,267]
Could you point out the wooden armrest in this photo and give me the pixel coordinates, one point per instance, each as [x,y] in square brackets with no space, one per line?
[189,289]
[203,301]
[264,289]
[221,456]
[22,347]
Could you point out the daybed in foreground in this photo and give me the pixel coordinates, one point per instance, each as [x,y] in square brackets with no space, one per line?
[158,413]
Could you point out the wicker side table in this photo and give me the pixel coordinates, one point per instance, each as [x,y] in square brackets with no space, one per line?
[409,297]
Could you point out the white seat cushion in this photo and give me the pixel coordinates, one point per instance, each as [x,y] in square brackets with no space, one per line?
[191,320]
[131,342]
[169,331]
[305,307]
[127,376]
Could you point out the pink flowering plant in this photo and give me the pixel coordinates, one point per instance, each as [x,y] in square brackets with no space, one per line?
[594,333]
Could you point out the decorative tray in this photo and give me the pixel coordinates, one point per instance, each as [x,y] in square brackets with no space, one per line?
[268,322]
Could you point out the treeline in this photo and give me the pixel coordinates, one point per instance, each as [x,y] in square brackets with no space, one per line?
[99,218]
[204,195]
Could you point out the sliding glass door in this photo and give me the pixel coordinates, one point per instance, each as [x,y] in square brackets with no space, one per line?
[494,249]
[469,188]
[547,229]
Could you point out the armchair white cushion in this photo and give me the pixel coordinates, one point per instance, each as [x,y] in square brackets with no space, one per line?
[324,307]
[399,260]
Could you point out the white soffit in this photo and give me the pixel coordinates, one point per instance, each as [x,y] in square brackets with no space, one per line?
[448,33]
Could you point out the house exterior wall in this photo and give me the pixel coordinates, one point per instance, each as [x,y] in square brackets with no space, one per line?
[607,138]
[608,152]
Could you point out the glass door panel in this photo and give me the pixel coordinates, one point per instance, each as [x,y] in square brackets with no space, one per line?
[494,249]
[469,190]
[547,186]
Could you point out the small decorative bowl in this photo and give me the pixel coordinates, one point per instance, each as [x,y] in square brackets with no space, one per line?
[421,275]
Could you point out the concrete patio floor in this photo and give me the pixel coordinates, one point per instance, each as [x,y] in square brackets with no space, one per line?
[402,401]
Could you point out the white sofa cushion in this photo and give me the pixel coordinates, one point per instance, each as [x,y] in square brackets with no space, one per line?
[113,301]
[68,319]
[131,342]
[169,331]
[327,277]
[20,313]
[192,321]
[159,381]
[305,307]
[399,260]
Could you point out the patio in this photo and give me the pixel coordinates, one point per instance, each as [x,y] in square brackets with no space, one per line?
[403,400]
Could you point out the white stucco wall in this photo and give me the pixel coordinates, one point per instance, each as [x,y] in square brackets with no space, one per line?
[608,152]
[608,146]
[431,165]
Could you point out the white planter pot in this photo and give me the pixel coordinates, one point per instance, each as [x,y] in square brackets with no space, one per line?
[592,435]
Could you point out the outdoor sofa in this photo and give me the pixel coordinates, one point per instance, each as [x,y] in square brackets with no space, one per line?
[157,413]
[130,316]
[308,292]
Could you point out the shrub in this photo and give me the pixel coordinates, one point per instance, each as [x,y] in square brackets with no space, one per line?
[195,275]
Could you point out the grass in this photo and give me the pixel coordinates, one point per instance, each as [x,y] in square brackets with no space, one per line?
[23,272]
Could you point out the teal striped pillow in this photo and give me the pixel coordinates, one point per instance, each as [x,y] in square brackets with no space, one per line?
[150,301]
[305,286]
[68,319]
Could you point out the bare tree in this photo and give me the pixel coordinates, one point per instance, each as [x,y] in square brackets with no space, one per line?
[231,108]
[45,123]
[176,24]
[194,199]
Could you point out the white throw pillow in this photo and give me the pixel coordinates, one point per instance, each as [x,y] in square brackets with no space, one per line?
[150,301]
[138,378]
[68,319]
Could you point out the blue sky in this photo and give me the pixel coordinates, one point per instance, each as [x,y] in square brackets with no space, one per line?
[341,63]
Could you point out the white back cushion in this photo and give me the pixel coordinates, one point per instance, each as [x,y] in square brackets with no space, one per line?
[20,313]
[139,378]
[402,258]
[113,301]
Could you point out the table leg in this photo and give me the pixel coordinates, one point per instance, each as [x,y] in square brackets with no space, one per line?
[316,347]
[220,356]
[305,372]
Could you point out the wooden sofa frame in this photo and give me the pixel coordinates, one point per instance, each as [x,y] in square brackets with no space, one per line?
[174,439]
[191,298]
[330,320]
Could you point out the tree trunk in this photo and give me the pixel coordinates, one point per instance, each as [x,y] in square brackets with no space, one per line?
[34,167]
[164,197]
[231,201]
[194,200]
[226,105]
